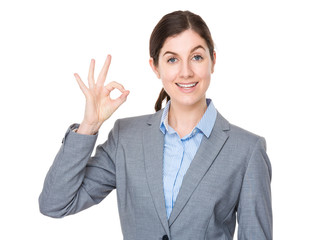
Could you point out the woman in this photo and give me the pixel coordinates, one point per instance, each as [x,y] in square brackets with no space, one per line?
[181,173]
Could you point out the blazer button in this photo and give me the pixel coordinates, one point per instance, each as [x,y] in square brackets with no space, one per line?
[165,237]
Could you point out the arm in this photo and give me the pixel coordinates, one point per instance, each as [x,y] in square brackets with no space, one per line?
[254,211]
[76,181]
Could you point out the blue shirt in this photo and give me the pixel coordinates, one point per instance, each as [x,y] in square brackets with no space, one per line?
[179,152]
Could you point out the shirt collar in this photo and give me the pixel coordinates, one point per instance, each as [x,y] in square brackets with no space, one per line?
[205,125]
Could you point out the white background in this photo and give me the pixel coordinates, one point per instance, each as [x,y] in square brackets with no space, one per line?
[266,80]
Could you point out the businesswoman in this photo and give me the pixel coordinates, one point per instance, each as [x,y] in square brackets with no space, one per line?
[181,173]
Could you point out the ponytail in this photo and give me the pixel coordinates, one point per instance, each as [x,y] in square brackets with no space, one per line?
[163,95]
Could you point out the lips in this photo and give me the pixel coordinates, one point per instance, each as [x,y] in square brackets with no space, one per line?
[187,85]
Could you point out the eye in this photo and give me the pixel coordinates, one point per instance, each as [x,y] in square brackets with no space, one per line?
[172,60]
[197,58]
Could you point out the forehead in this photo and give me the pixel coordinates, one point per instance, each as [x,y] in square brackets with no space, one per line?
[183,42]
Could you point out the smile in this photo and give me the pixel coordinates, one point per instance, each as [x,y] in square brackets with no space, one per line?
[190,85]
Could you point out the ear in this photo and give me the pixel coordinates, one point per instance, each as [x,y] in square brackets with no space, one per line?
[154,68]
[213,63]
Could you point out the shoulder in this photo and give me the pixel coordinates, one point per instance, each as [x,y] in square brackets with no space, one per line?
[138,123]
[249,140]
[242,145]
[240,136]
[243,134]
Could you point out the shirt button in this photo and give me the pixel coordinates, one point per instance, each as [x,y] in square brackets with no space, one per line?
[165,237]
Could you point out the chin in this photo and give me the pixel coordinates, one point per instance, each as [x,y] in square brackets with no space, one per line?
[189,100]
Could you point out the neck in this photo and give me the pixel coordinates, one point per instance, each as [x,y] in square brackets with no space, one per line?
[183,119]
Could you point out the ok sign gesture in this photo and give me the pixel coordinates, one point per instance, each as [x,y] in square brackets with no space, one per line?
[99,105]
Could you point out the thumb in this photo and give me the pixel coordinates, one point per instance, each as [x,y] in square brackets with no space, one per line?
[122,98]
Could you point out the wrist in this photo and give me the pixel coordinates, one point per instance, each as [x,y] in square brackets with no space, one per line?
[88,129]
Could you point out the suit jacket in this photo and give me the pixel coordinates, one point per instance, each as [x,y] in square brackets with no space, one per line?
[229,178]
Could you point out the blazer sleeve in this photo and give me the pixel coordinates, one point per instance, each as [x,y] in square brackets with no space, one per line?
[76,181]
[254,212]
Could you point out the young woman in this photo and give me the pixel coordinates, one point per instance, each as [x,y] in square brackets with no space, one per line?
[182,173]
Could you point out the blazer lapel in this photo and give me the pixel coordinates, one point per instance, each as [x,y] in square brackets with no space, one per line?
[205,156]
[153,140]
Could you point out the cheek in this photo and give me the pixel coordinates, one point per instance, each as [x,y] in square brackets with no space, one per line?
[166,81]
[168,75]
[203,72]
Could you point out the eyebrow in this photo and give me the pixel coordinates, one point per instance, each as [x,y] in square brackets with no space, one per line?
[192,50]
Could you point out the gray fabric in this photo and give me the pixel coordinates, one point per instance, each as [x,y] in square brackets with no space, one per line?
[230,174]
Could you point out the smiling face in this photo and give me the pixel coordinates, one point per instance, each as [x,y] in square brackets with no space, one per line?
[185,68]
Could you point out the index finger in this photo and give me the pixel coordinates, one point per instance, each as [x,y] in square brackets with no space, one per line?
[102,76]
[91,81]
[115,85]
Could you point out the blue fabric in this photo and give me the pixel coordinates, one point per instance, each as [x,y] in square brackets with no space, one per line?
[179,152]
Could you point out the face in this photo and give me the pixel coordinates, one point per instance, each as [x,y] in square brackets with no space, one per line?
[185,68]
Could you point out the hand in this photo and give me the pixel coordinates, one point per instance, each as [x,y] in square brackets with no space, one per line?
[99,105]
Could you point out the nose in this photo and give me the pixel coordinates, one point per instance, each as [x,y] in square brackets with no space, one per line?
[186,70]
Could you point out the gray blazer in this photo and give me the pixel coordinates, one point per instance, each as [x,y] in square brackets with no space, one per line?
[229,175]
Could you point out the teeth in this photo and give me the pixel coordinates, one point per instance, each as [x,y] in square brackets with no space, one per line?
[186,85]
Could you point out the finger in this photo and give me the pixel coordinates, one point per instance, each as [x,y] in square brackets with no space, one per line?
[124,95]
[115,85]
[91,81]
[121,99]
[81,85]
[102,76]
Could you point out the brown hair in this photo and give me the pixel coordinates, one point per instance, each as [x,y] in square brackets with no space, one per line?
[172,24]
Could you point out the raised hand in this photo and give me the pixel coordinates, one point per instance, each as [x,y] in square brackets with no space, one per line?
[99,105]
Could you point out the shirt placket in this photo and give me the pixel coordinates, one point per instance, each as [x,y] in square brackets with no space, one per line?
[175,189]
